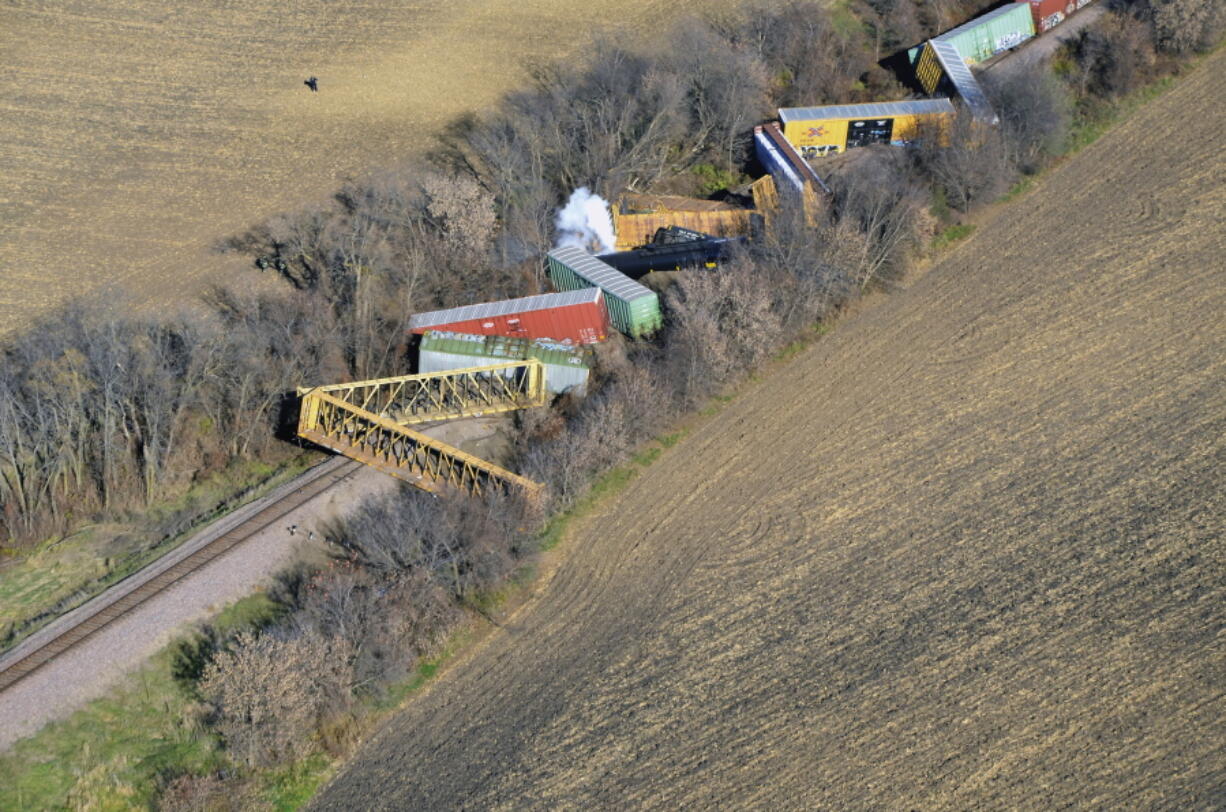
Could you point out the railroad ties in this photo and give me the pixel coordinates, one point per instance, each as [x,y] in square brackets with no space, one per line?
[368,421]
[91,617]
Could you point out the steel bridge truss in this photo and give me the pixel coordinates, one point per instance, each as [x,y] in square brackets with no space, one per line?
[368,421]
[428,398]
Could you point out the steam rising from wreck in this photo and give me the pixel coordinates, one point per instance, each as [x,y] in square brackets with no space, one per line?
[585,222]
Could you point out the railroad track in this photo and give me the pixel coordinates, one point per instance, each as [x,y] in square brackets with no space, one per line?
[222,536]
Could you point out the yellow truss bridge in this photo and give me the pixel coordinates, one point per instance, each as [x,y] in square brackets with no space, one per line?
[368,421]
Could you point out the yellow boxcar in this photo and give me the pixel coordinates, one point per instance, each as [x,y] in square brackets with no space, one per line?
[766,199]
[928,69]
[636,218]
[817,131]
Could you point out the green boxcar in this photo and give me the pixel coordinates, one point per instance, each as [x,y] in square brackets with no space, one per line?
[985,36]
[633,309]
[566,368]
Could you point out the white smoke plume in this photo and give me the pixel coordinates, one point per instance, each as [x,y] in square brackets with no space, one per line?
[585,222]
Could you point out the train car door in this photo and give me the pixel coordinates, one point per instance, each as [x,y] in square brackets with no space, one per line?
[871,131]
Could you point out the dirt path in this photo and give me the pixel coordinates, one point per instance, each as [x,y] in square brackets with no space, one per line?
[966,551]
[135,134]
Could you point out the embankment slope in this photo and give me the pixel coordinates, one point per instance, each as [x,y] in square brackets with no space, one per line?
[967,550]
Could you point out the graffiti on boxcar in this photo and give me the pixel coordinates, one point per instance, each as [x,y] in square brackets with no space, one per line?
[819,152]
[1010,40]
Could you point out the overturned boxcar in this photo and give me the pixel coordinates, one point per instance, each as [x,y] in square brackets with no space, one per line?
[571,317]
[637,217]
[566,367]
[781,160]
[633,309]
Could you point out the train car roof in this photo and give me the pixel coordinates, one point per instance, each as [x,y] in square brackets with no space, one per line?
[963,80]
[599,273]
[506,307]
[1003,11]
[911,107]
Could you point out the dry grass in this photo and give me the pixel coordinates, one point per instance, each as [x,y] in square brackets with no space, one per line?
[136,135]
[965,551]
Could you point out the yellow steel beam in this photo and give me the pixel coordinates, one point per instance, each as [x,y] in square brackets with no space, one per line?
[469,392]
[397,450]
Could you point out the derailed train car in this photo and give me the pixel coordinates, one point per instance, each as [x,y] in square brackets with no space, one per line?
[817,131]
[781,160]
[987,35]
[572,317]
[566,368]
[674,249]
[1048,14]
[637,218]
[942,69]
[633,309]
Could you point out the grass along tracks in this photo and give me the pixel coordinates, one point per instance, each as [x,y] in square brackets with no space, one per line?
[103,657]
[212,542]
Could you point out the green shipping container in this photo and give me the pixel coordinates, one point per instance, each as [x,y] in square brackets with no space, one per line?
[633,309]
[566,368]
[985,36]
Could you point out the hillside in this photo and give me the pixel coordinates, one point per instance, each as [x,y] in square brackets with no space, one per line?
[136,136]
[966,550]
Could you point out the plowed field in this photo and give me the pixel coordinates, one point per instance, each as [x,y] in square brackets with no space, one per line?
[965,551]
[135,135]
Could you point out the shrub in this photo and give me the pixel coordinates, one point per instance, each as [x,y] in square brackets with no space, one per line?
[1183,26]
[972,167]
[1109,59]
[201,793]
[386,619]
[1035,114]
[721,324]
[269,692]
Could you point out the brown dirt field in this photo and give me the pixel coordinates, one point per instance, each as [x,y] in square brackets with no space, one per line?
[135,135]
[966,551]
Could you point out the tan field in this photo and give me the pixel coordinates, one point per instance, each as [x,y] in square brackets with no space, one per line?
[135,135]
[964,552]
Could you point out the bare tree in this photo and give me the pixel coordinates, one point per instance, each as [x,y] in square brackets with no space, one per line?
[1034,110]
[727,88]
[878,203]
[811,59]
[269,692]
[1184,26]
[721,324]
[968,161]
[1110,58]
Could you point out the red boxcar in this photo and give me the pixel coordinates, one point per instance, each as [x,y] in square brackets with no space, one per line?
[1050,13]
[572,317]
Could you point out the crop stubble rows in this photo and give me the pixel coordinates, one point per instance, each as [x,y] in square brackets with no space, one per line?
[966,550]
